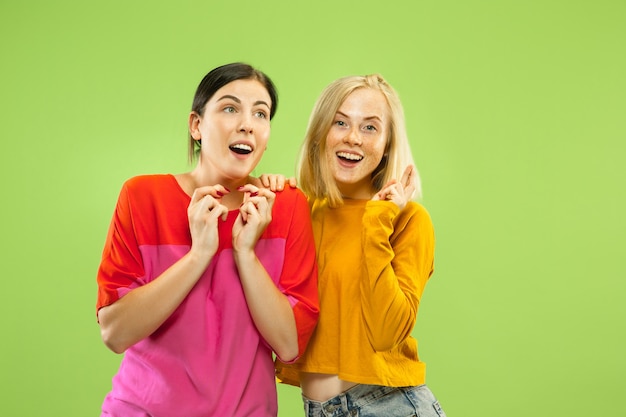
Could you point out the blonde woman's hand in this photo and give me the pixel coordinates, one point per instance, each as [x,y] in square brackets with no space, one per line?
[276,182]
[255,214]
[204,211]
[399,192]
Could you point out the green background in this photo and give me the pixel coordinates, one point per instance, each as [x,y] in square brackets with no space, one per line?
[516,113]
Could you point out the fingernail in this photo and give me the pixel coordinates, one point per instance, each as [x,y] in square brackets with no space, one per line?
[254,194]
[221,194]
[227,189]
[240,188]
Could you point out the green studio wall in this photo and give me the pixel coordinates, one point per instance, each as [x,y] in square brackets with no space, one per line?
[515,111]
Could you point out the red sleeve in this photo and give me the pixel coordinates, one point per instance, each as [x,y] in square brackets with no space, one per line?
[298,280]
[121,266]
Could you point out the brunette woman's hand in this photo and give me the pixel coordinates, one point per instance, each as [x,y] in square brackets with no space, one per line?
[276,182]
[203,212]
[399,192]
[255,214]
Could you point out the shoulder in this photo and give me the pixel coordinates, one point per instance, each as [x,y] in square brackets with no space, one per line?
[141,182]
[290,196]
[291,206]
[415,214]
[416,209]
[150,188]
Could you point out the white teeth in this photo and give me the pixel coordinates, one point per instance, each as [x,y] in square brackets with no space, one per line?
[242,147]
[349,156]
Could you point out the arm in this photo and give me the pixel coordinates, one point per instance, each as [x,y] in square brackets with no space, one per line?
[398,258]
[269,308]
[298,279]
[142,310]
[285,313]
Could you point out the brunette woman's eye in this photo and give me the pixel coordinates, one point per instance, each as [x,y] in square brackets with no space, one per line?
[261,114]
[229,109]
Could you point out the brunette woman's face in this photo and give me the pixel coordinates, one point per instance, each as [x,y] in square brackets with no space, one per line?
[234,129]
[357,140]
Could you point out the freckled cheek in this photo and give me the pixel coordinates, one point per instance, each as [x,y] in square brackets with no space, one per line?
[377,147]
[331,142]
[329,151]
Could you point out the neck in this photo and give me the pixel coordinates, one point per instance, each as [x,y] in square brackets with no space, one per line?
[200,178]
[205,175]
[358,192]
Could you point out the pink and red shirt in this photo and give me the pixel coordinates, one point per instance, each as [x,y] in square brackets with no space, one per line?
[208,358]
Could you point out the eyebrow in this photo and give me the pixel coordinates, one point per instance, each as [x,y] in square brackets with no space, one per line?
[366,118]
[235,99]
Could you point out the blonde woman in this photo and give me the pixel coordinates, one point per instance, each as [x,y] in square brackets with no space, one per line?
[375,251]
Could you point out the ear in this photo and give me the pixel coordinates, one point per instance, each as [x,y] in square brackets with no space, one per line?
[194,125]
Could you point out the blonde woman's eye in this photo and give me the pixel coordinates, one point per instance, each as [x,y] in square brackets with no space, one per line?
[370,128]
[340,123]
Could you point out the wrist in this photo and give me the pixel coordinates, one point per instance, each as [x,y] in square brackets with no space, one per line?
[199,258]
[243,256]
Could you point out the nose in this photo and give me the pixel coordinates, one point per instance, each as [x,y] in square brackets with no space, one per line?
[353,137]
[245,124]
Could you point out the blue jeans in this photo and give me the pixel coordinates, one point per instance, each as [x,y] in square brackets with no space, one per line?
[377,401]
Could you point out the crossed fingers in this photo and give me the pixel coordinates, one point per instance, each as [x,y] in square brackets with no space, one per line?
[256,202]
[208,200]
[399,192]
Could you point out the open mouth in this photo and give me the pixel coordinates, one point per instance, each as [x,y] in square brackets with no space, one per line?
[241,148]
[349,157]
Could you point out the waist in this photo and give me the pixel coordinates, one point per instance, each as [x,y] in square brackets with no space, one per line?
[322,387]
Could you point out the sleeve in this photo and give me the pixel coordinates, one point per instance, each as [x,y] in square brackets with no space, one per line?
[121,267]
[298,279]
[398,259]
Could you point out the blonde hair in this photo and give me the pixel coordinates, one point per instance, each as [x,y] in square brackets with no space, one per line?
[314,175]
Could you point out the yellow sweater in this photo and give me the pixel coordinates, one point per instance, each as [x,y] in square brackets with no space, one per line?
[374,261]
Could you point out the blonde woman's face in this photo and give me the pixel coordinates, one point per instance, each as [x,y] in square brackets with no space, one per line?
[357,140]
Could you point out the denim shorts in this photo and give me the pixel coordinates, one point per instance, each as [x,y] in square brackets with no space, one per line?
[377,401]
